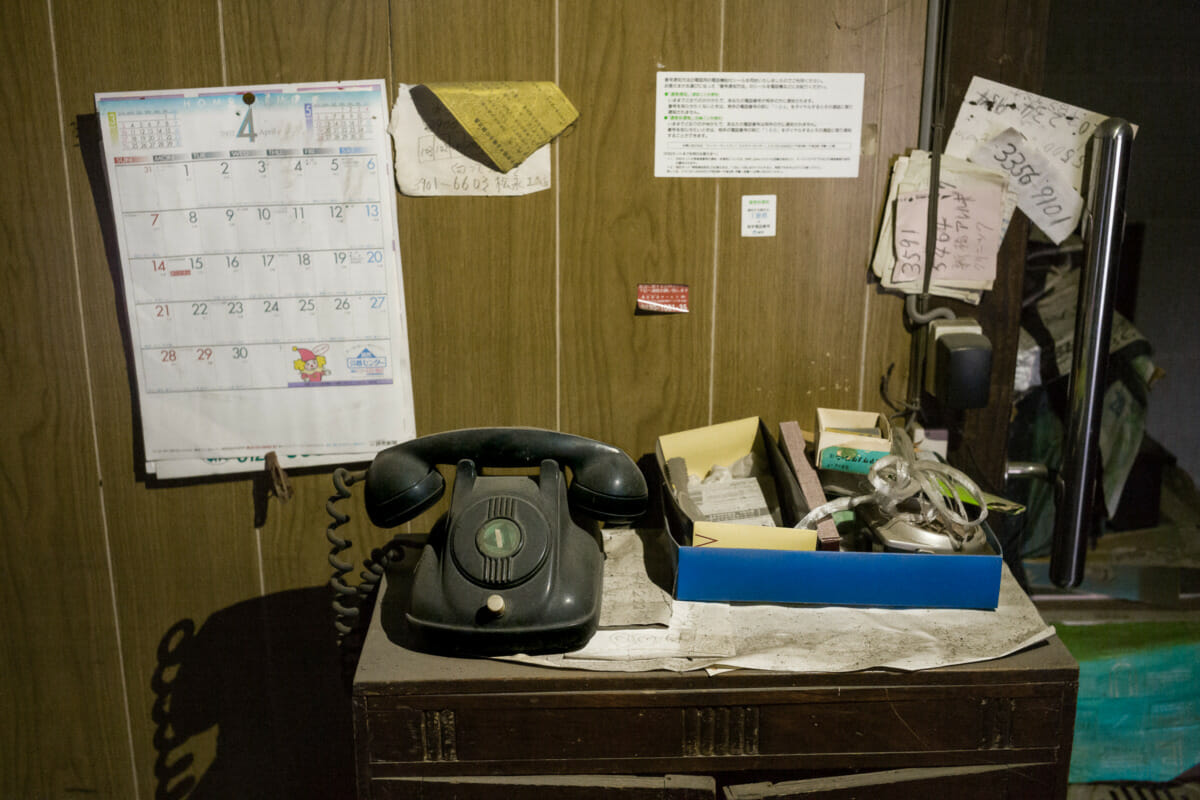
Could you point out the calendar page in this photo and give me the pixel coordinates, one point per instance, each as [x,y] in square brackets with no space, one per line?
[261,263]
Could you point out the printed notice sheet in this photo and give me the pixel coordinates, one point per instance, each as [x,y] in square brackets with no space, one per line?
[261,266]
[758,124]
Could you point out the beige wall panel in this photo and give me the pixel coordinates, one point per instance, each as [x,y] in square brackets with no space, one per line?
[184,551]
[294,548]
[790,308]
[478,271]
[627,379]
[60,678]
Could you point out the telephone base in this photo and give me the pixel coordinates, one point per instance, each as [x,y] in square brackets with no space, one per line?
[475,641]
[507,570]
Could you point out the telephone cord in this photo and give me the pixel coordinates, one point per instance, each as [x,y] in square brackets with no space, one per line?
[349,601]
[346,612]
[941,491]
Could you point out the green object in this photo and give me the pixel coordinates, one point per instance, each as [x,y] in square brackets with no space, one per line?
[498,538]
[849,459]
[1138,712]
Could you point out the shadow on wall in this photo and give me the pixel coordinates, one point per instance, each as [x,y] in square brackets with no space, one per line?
[268,674]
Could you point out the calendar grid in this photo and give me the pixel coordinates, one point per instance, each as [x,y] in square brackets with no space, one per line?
[164,210]
[258,237]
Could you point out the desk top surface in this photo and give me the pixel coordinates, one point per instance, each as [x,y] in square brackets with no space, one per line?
[387,667]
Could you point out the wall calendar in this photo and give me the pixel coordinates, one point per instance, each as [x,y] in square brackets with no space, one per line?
[261,267]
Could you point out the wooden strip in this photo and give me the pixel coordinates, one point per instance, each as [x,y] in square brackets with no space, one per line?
[560,787]
[60,678]
[183,552]
[292,41]
[1007,44]
[983,781]
[792,442]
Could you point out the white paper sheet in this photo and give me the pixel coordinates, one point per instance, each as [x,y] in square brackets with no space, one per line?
[720,636]
[261,266]
[1060,130]
[629,599]
[911,174]
[758,124]
[176,468]
[1057,132]
[1042,190]
[967,233]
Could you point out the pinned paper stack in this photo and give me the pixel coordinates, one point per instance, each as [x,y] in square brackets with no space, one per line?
[1008,149]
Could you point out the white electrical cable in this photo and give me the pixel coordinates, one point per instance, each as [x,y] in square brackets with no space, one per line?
[938,488]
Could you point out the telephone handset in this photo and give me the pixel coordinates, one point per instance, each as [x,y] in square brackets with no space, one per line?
[513,566]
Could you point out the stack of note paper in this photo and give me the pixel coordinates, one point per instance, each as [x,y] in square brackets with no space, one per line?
[972,213]
[1008,149]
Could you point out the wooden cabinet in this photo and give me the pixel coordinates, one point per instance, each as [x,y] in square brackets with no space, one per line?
[428,726]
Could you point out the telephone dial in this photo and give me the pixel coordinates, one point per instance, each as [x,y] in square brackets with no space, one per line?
[515,565]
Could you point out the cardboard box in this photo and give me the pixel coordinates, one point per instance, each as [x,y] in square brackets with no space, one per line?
[723,445]
[844,442]
[720,574]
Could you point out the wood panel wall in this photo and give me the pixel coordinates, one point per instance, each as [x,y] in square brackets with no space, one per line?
[159,641]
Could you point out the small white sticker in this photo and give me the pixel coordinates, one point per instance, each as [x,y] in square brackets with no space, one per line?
[758,215]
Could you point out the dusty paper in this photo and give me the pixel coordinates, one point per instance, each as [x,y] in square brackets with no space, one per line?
[508,119]
[1042,191]
[967,233]
[1057,132]
[427,165]
[630,598]
[813,638]
[911,174]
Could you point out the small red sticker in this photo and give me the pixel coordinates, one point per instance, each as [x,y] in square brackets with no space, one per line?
[663,298]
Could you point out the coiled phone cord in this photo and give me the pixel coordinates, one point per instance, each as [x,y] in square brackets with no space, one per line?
[349,601]
[346,597]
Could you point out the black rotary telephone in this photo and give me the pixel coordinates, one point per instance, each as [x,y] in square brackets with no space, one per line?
[512,567]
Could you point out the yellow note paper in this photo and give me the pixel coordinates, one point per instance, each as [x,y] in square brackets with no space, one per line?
[752,537]
[509,120]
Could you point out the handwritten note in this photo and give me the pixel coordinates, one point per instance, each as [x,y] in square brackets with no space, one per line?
[1059,130]
[967,231]
[1043,192]
[426,165]
[911,174]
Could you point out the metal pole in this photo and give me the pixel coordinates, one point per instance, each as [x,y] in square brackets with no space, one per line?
[1104,226]
[1017,470]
